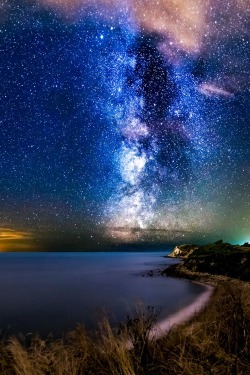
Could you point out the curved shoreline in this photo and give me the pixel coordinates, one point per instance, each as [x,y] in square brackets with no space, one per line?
[212,284]
[184,314]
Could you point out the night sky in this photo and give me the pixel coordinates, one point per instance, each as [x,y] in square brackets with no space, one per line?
[123,122]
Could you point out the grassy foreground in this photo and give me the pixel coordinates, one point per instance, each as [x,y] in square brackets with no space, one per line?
[216,341]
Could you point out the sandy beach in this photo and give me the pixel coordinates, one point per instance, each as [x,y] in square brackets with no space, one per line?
[217,288]
[184,314]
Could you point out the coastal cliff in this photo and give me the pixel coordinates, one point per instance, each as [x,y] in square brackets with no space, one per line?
[183,251]
[218,258]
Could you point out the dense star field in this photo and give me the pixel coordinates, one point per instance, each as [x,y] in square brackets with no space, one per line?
[123,122]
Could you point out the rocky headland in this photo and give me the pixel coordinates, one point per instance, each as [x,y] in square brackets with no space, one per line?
[210,261]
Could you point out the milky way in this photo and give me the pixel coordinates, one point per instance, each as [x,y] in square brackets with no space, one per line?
[123,121]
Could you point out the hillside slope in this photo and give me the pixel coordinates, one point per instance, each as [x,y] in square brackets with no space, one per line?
[217,258]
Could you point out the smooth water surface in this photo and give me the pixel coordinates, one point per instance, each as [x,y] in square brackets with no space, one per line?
[52,292]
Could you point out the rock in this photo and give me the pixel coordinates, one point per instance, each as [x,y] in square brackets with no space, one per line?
[182,251]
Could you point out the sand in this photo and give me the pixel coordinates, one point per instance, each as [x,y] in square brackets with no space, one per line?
[216,286]
[183,315]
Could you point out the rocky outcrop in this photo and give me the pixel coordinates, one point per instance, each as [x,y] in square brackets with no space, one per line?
[218,258]
[182,251]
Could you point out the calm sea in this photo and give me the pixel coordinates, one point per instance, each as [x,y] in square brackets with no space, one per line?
[52,292]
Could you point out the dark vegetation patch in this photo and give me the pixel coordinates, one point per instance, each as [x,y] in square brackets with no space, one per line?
[216,341]
[219,258]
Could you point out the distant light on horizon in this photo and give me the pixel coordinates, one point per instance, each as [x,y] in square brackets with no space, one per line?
[246,240]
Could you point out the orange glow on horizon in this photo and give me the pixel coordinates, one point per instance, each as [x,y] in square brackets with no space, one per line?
[15,240]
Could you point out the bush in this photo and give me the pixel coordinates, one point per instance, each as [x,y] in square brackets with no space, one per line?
[217,342]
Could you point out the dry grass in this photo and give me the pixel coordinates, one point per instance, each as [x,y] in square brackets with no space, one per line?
[217,342]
